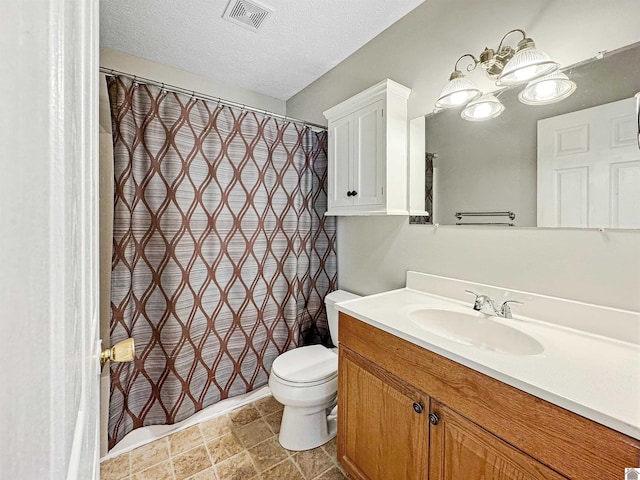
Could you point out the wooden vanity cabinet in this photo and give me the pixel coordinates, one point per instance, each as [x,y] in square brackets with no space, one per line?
[460,449]
[472,426]
[386,427]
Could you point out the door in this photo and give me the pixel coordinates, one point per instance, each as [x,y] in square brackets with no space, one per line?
[380,435]
[340,165]
[589,168]
[459,449]
[368,168]
[48,285]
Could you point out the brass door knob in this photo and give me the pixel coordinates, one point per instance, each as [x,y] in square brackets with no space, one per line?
[124,351]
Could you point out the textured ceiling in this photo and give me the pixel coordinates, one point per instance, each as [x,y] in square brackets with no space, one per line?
[302,40]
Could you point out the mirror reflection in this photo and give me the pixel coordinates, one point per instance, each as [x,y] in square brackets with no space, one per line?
[575,163]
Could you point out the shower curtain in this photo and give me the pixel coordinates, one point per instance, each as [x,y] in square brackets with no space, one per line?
[222,255]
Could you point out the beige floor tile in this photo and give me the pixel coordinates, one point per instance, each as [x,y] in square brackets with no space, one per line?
[283,471]
[216,427]
[266,454]
[274,420]
[254,433]
[331,447]
[244,415]
[333,474]
[161,471]
[208,474]
[116,468]
[185,440]
[238,467]
[224,447]
[313,462]
[191,462]
[148,455]
[268,405]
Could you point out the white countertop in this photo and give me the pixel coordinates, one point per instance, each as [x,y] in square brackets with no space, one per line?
[591,375]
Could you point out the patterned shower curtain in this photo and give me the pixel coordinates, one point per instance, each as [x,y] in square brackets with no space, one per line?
[221,254]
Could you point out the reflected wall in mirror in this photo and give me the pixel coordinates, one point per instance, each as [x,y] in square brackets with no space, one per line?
[574,170]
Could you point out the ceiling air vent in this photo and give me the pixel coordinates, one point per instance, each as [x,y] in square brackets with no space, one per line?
[247,13]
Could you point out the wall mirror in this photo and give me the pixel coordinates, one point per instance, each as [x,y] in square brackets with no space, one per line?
[575,163]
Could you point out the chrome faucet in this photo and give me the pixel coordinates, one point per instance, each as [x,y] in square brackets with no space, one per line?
[504,311]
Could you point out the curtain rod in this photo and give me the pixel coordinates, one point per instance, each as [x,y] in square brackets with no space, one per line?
[203,96]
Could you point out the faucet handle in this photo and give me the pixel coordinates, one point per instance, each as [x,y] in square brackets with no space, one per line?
[480,300]
[505,309]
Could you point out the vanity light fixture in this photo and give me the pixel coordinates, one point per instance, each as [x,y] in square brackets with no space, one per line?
[507,66]
[548,89]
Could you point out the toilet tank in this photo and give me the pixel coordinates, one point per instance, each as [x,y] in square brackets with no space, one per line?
[332,314]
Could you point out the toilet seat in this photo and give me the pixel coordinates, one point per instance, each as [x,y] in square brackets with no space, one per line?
[306,366]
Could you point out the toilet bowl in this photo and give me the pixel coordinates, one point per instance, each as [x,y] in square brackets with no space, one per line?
[305,381]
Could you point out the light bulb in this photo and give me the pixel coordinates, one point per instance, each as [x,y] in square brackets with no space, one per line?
[543,90]
[482,110]
[459,98]
[525,73]
[485,108]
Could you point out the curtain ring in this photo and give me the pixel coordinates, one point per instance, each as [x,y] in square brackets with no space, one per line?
[162,90]
[135,82]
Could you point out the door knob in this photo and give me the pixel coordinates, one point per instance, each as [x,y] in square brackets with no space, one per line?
[124,351]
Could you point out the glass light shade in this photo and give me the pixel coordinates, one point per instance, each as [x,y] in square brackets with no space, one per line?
[526,64]
[457,92]
[485,108]
[548,89]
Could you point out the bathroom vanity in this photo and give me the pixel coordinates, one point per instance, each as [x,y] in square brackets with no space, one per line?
[414,404]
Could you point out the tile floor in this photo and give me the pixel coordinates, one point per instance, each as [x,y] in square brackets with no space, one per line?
[241,445]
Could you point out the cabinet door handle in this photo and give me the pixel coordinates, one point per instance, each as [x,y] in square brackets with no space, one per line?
[434,418]
[418,407]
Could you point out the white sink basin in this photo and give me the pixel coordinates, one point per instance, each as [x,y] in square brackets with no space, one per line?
[475,329]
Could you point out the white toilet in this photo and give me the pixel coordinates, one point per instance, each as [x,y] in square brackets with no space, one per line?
[305,381]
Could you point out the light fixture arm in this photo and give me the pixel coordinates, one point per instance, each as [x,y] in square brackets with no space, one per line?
[470,67]
[524,35]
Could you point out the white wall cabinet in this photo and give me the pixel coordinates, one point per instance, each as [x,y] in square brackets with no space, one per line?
[368,152]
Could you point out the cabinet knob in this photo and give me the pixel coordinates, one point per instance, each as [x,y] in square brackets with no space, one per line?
[349,194]
[434,418]
[353,193]
[418,407]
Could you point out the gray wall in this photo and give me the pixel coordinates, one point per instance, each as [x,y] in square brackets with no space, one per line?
[419,51]
[491,165]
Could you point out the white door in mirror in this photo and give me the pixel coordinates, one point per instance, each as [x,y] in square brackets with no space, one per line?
[589,168]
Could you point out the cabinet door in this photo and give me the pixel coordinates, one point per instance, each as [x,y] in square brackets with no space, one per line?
[340,164]
[459,449]
[368,155]
[380,435]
